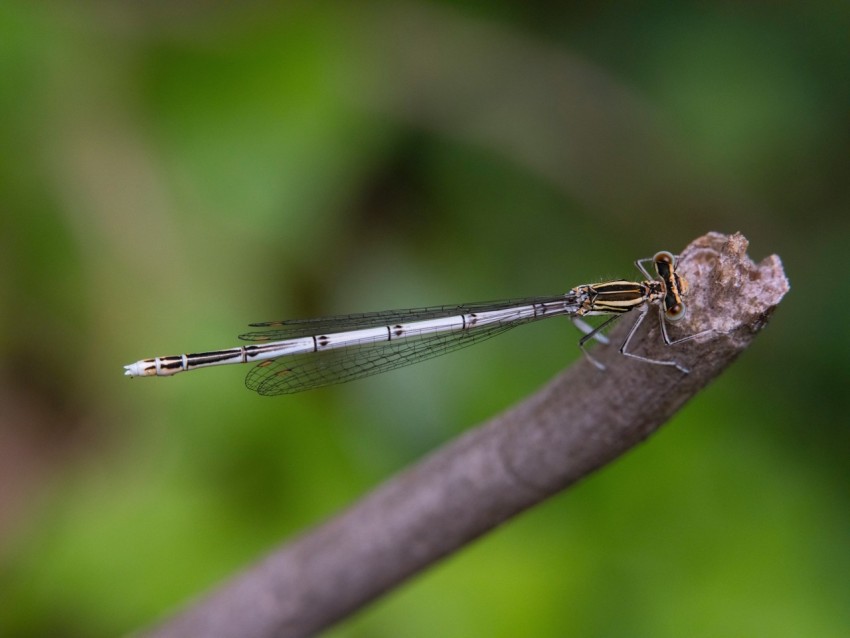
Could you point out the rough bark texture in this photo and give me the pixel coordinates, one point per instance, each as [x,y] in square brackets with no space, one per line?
[577,423]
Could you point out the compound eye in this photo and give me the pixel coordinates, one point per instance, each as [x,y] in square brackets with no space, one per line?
[664,257]
[675,312]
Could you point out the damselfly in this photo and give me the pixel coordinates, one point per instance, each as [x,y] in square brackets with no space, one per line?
[302,354]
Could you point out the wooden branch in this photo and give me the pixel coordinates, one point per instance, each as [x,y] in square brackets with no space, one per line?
[580,421]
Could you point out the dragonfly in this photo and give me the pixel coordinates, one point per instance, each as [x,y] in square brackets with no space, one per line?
[301,354]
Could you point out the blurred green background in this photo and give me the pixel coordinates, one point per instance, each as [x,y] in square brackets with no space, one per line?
[171,171]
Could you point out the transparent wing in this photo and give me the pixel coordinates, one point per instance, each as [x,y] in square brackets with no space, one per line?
[295,373]
[294,328]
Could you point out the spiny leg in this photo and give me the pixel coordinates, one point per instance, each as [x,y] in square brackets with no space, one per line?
[669,342]
[587,329]
[593,333]
[639,265]
[624,348]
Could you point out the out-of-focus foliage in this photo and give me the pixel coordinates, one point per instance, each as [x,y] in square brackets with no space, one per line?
[170,171]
